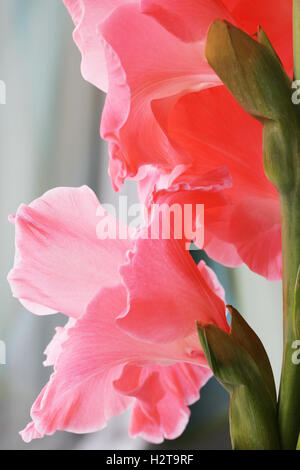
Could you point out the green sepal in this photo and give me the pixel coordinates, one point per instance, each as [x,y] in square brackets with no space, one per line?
[240,363]
[253,73]
[265,41]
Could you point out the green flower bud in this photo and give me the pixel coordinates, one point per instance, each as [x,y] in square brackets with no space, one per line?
[253,73]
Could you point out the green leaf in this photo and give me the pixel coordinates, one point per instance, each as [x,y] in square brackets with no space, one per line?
[240,363]
[250,70]
[248,340]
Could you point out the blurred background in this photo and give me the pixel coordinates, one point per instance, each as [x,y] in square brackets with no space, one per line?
[49,137]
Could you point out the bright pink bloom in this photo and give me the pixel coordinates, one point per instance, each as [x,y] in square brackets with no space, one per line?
[160,112]
[146,54]
[129,341]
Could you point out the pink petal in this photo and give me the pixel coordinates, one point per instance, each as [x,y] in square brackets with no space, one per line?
[55,347]
[60,262]
[185,183]
[211,278]
[30,433]
[81,394]
[213,127]
[162,398]
[188,20]
[82,409]
[256,232]
[166,289]
[87,15]
[222,252]
[145,79]
[249,231]
[139,73]
[193,197]
[33,307]
[276,22]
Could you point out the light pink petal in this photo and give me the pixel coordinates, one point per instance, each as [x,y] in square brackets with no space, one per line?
[30,433]
[222,252]
[80,396]
[249,231]
[140,72]
[83,409]
[256,232]
[36,308]
[87,15]
[211,278]
[162,398]
[60,260]
[147,182]
[54,348]
[184,204]
[166,289]
[188,20]
[191,187]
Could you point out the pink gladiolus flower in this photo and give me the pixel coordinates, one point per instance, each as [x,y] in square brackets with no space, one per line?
[165,107]
[139,63]
[147,54]
[132,305]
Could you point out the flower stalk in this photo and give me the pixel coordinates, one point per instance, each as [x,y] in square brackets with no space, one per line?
[296,24]
[289,411]
[253,73]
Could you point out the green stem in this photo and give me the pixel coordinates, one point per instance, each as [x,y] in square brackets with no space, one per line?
[289,410]
[296,17]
